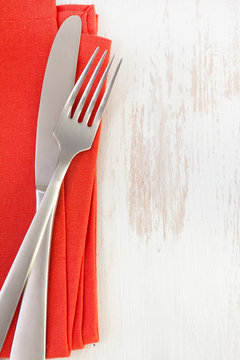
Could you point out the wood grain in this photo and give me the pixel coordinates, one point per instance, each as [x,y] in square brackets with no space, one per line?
[169,183]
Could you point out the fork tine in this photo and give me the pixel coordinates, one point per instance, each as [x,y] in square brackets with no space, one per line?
[88,88]
[96,93]
[98,116]
[72,97]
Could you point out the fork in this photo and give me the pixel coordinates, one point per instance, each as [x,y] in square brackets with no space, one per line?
[73,137]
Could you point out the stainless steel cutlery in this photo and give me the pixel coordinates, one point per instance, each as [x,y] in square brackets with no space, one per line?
[58,81]
[72,137]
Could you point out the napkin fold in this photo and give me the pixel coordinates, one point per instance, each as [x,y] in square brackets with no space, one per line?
[26,35]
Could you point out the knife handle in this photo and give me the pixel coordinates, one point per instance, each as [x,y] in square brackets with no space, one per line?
[31,323]
[22,265]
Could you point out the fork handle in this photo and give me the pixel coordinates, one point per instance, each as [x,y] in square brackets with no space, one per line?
[31,322]
[22,265]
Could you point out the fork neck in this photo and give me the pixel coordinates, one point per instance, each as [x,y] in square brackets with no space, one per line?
[62,166]
[64,158]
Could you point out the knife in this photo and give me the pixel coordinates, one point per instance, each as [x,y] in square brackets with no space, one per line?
[58,81]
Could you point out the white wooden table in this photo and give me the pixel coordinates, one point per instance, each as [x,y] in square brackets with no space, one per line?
[169,183]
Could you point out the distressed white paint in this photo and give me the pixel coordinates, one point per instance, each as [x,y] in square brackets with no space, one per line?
[169,183]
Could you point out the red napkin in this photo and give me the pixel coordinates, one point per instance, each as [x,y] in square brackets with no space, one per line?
[27,31]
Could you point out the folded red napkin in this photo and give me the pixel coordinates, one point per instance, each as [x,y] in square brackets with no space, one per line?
[27,31]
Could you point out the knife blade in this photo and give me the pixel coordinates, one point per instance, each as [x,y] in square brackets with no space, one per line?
[58,81]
